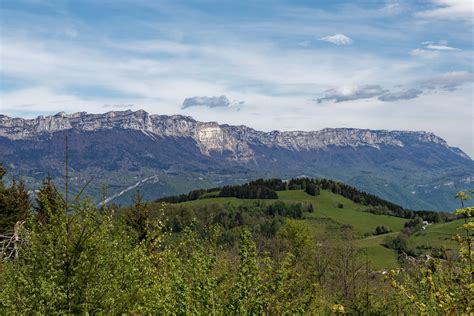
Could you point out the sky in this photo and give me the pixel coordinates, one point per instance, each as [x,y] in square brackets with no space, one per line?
[271,65]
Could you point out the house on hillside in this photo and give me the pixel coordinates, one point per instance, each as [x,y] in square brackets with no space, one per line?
[425,223]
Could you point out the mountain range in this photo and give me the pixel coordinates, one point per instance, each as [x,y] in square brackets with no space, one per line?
[164,155]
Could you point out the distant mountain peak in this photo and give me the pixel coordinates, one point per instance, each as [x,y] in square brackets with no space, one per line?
[163,154]
[212,137]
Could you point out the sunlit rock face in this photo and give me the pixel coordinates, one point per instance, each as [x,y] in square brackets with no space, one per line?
[211,137]
[122,148]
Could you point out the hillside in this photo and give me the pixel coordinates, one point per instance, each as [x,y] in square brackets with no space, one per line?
[328,218]
[311,245]
[438,235]
[329,221]
[166,155]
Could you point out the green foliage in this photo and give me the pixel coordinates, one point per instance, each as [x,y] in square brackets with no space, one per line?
[14,203]
[325,206]
[380,230]
[399,243]
[413,226]
[191,275]
[49,202]
[297,235]
[236,257]
[312,189]
[79,263]
[261,217]
[248,191]
[437,286]
[289,289]
[102,262]
[247,289]
[140,222]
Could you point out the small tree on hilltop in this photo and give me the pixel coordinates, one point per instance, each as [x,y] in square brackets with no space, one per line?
[312,189]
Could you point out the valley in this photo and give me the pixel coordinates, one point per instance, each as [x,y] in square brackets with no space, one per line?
[326,220]
[118,149]
[257,158]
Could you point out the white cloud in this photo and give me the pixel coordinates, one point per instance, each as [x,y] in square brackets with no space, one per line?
[448,81]
[440,47]
[304,43]
[392,8]
[432,49]
[423,53]
[450,9]
[400,95]
[337,39]
[256,62]
[352,92]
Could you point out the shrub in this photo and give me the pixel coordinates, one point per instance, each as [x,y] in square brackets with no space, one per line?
[379,230]
[312,189]
[437,286]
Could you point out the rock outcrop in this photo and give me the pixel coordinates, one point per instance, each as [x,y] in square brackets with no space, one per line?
[211,137]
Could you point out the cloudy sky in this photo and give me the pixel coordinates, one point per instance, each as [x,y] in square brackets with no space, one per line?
[287,65]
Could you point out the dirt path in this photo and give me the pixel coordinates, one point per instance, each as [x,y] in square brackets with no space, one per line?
[378,236]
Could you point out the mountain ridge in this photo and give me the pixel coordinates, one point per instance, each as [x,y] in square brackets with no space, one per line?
[417,170]
[212,135]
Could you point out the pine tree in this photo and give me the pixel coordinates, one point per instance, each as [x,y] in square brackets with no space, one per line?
[139,219]
[14,203]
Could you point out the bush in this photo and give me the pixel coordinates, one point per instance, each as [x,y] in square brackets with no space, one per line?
[436,286]
[413,226]
[312,189]
[379,230]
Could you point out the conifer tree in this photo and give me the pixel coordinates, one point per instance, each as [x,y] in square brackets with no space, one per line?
[139,219]
[14,203]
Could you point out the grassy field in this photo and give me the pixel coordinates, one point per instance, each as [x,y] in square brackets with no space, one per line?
[379,256]
[353,214]
[327,218]
[325,205]
[438,235]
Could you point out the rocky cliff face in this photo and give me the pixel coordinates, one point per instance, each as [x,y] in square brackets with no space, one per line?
[121,149]
[211,137]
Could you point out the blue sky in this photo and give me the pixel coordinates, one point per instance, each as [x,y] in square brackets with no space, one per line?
[287,65]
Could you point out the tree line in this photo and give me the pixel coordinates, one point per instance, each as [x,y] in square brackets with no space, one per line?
[267,189]
[73,257]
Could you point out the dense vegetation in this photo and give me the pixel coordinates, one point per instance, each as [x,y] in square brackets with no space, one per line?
[66,255]
[261,218]
[266,189]
[14,203]
[258,189]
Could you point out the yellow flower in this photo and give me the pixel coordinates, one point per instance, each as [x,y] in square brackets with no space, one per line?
[338,309]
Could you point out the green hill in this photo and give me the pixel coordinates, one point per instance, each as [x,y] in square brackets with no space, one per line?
[326,206]
[437,235]
[329,217]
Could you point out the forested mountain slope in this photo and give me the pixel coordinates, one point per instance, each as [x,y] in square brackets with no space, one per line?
[166,155]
